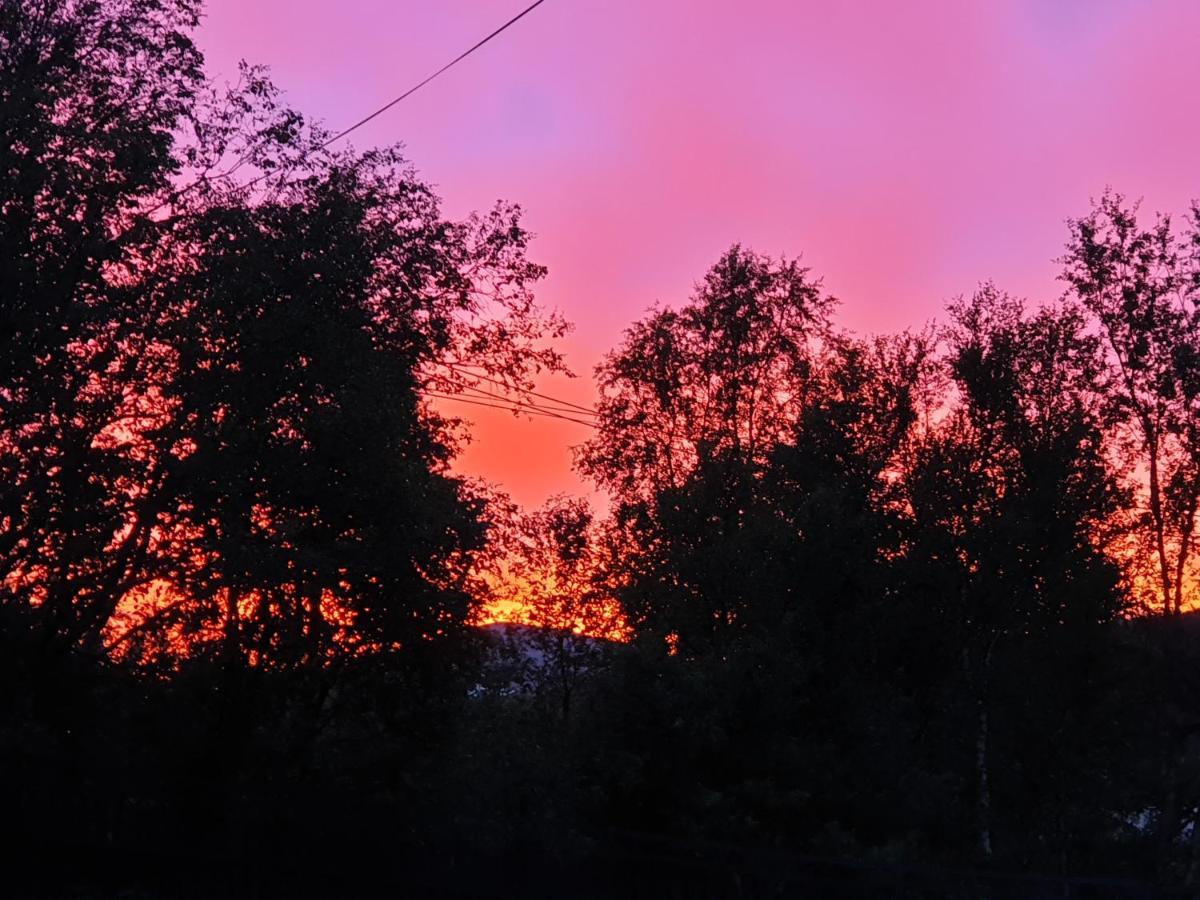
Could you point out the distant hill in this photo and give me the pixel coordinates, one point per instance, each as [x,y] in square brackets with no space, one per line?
[524,658]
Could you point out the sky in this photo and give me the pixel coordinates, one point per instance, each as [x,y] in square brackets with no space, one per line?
[905,151]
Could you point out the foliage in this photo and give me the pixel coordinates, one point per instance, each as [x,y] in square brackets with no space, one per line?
[1140,285]
[870,598]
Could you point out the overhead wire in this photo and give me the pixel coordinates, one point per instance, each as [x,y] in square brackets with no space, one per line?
[473,393]
[203,179]
[516,409]
[513,401]
[461,370]
[520,399]
[412,90]
[513,408]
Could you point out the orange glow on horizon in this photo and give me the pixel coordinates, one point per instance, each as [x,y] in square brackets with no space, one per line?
[150,624]
[606,622]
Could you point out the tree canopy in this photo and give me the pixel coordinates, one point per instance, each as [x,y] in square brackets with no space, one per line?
[857,602]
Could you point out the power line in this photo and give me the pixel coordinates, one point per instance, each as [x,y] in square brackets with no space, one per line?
[513,409]
[361,122]
[477,396]
[527,410]
[510,407]
[519,401]
[458,370]
[412,90]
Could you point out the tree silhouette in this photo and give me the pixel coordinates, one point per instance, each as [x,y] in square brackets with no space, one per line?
[90,98]
[722,377]
[693,404]
[1139,284]
[1011,497]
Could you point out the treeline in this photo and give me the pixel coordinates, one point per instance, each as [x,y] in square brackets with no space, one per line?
[912,600]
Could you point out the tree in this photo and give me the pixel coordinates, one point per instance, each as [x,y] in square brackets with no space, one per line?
[222,392]
[1140,287]
[723,377]
[1011,498]
[91,95]
[307,476]
[219,460]
[693,404]
[753,456]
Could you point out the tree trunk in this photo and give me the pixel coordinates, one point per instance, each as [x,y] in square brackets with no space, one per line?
[1185,544]
[1164,567]
[983,796]
[984,802]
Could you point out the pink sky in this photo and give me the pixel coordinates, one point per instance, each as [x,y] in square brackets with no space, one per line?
[906,150]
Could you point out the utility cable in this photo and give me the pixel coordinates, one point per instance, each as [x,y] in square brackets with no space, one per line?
[513,408]
[361,122]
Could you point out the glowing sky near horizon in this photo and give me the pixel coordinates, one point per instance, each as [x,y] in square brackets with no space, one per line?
[907,151]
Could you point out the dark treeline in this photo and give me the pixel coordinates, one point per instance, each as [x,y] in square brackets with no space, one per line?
[895,614]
